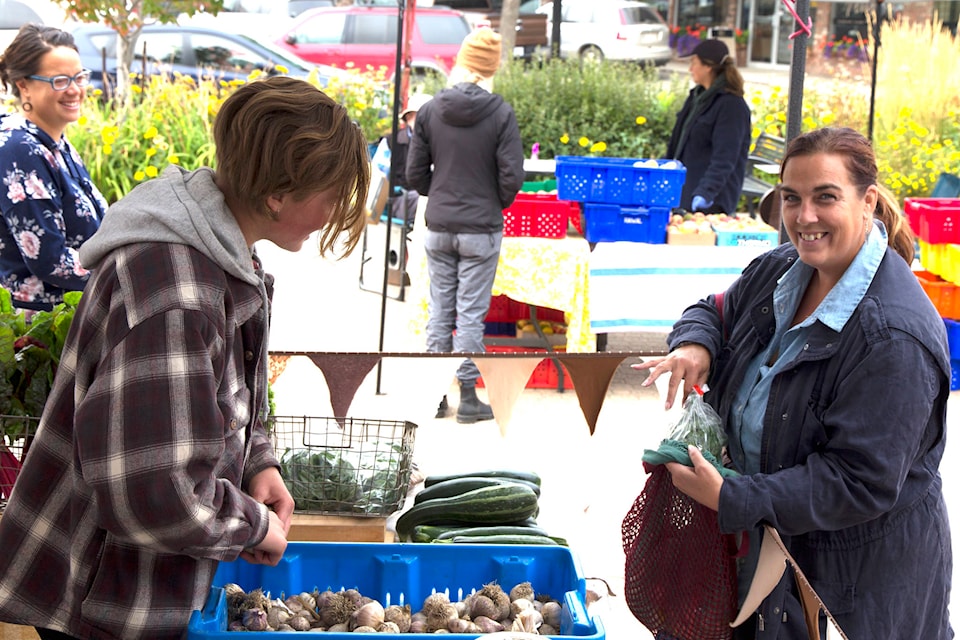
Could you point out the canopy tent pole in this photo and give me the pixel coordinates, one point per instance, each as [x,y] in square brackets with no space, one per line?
[877,23]
[401,81]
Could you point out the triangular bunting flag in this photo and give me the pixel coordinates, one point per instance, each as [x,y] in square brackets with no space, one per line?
[505,379]
[344,373]
[591,379]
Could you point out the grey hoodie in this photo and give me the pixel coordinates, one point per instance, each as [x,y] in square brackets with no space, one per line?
[178,207]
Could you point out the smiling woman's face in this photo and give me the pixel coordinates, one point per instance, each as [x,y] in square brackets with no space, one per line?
[49,109]
[825,217]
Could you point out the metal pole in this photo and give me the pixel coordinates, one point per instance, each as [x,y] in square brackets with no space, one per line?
[798,69]
[392,185]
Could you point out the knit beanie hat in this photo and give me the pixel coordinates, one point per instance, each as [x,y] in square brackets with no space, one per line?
[480,52]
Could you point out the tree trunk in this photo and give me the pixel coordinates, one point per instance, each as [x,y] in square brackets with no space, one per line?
[509,15]
[126,47]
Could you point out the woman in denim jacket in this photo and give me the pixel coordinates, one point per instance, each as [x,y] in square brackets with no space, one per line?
[829,366]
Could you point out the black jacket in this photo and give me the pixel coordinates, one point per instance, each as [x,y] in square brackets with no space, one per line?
[467,157]
[715,153]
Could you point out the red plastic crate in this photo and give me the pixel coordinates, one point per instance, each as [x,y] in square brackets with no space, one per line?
[504,309]
[536,215]
[935,220]
[575,219]
[544,376]
[944,295]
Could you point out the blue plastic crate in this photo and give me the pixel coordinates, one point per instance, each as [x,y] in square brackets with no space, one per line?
[620,181]
[953,337]
[614,223]
[405,573]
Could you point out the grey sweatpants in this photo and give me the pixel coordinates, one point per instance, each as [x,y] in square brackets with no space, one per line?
[462,267]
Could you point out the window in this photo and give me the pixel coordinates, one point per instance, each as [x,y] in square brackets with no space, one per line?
[323,29]
[212,52]
[439,29]
[372,28]
[577,12]
[160,47]
[640,15]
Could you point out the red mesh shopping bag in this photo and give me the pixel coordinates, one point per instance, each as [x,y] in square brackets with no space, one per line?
[680,574]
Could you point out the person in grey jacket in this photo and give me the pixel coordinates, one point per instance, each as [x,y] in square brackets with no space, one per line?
[151,463]
[711,136]
[830,368]
[466,156]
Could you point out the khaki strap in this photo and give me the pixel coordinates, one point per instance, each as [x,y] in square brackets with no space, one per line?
[773,561]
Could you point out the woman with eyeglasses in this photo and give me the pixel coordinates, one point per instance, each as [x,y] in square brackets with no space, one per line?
[49,204]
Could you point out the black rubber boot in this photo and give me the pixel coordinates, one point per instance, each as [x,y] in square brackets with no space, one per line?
[442,408]
[471,409]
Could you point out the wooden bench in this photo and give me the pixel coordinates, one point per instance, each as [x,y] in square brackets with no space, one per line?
[765,157]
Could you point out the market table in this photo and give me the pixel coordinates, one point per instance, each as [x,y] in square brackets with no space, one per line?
[544,272]
[644,287]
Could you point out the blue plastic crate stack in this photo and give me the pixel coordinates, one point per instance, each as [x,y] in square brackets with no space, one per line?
[622,199]
[936,223]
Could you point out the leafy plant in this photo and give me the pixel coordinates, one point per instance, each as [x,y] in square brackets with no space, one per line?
[29,356]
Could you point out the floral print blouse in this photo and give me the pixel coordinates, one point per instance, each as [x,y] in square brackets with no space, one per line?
[50,207]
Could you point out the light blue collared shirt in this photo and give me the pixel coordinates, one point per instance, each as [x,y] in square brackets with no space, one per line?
[834,311]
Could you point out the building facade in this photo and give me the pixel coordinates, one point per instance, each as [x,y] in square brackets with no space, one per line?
[762,28]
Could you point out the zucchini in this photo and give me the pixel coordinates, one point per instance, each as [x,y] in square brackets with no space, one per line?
[498,530]
[498,504]
[429,532]
[503,539]
[456,486]
[506,474]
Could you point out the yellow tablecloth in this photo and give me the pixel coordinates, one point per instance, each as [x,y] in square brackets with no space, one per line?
[538,271]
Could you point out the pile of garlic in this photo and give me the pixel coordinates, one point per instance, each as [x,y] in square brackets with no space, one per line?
[489,610]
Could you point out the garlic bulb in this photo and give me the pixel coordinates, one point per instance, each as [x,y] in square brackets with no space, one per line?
[369,615]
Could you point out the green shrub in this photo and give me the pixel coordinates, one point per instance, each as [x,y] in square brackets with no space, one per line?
[612,109]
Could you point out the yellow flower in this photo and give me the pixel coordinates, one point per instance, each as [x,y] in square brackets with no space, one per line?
[151,152]
[173,159]
[150,133]
[152,171]
[82,120]
[138,176]
[107,149]
[565,139]
[109,134]
[135,88]
[282,69]
[598,147]
[584,141]
[641,120]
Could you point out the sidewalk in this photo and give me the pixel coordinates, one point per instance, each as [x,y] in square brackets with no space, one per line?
[589,482]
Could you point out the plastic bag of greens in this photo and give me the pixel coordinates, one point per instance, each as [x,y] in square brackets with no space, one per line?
[699,424]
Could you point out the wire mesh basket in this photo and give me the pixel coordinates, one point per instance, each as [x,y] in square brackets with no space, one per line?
[344,466]
[16,433]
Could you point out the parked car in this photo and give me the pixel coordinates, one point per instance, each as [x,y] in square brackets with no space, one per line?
[16,13]
[366,36]
[611,29]
[195,51]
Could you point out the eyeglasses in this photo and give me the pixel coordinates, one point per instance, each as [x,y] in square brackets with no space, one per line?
[62,82]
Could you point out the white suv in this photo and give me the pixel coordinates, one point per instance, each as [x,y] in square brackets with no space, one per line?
[611,29]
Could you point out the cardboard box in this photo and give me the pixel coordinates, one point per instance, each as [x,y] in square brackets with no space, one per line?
[377,196]
[701,238]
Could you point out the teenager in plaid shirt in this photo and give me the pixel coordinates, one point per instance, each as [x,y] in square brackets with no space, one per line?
[151,464]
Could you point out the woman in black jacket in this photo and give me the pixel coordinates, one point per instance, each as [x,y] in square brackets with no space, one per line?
[712,134]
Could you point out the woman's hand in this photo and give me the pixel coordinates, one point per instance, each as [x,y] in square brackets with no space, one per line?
[268,487]
[690,363]
[702,482]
